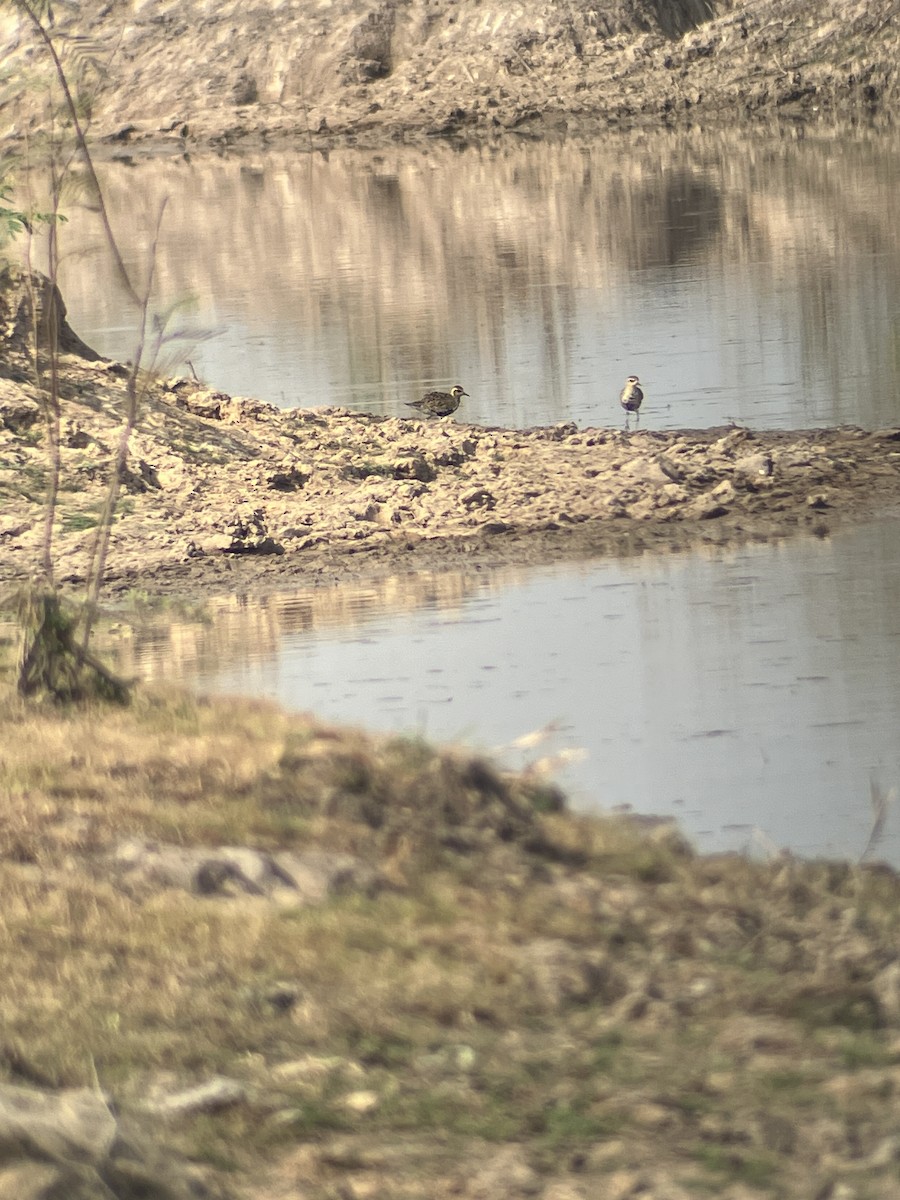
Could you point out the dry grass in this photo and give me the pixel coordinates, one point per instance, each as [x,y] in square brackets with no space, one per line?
[568,985]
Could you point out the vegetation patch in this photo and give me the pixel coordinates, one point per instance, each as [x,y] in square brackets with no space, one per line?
[565,995]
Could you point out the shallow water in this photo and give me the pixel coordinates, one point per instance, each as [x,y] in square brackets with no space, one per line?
[742,275]
[752,695]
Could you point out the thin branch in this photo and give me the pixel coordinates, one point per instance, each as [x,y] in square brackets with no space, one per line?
[135,392]
[81,139]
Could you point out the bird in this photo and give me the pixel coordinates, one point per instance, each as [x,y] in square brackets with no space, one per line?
[439,404]
[631,397]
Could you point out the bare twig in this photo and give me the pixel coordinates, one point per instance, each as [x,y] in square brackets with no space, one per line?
[30,11]
[135,391]
[882,802]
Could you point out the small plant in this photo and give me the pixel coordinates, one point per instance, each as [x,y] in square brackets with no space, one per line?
[13,221]
[51,661]
[51,628]
[77,522]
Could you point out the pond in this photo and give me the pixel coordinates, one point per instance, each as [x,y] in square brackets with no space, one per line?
[744,276]
[751,694]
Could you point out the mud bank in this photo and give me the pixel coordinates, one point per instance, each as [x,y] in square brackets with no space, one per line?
[229,493]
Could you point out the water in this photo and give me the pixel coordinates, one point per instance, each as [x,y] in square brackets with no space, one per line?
[750,694]
[742,275]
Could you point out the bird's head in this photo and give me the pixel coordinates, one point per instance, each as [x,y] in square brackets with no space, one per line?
[632,379]
[458,391]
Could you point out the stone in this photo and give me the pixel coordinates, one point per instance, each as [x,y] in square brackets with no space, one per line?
[755,466]
[244,90]
[70,1145]
[143,867]
[17,412]
[213,1096]
[413,468]
[361,1102]
[74,1124]
[317,874]
[478,497]
[886,988]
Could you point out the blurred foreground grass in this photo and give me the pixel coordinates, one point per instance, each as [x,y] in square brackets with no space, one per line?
[590,993]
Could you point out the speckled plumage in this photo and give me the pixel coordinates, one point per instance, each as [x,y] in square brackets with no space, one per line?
[439,404]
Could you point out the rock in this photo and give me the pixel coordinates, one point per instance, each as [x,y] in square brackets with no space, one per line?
[672,494]
[289,478]
[886,988]
[213,1096]
[317,874]
[245,90]
[368,53]
[361,1102]
[704,508]
[282,995]
[73,1124]
[144,867]
[36,1181]
[413,468]
[17,412]
[140,476]
[670,469]
[69,1145]
[203,403]
[755,466]
[478,497]
[250,536]
[314,1068]
[726,446]
[13,529]
[20,293]
[645,470]
[723,493]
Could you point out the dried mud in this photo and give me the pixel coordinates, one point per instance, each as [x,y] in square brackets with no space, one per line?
[230,494]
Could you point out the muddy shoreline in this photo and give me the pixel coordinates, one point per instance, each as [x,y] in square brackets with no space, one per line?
[225,494]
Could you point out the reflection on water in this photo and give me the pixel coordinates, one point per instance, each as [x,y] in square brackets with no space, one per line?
[755,690]
[243,629]
[742,275]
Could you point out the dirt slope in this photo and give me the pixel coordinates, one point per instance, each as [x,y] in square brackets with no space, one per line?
[194,72]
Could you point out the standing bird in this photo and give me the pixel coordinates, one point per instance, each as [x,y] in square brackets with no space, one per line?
[439,404]
[631,398]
